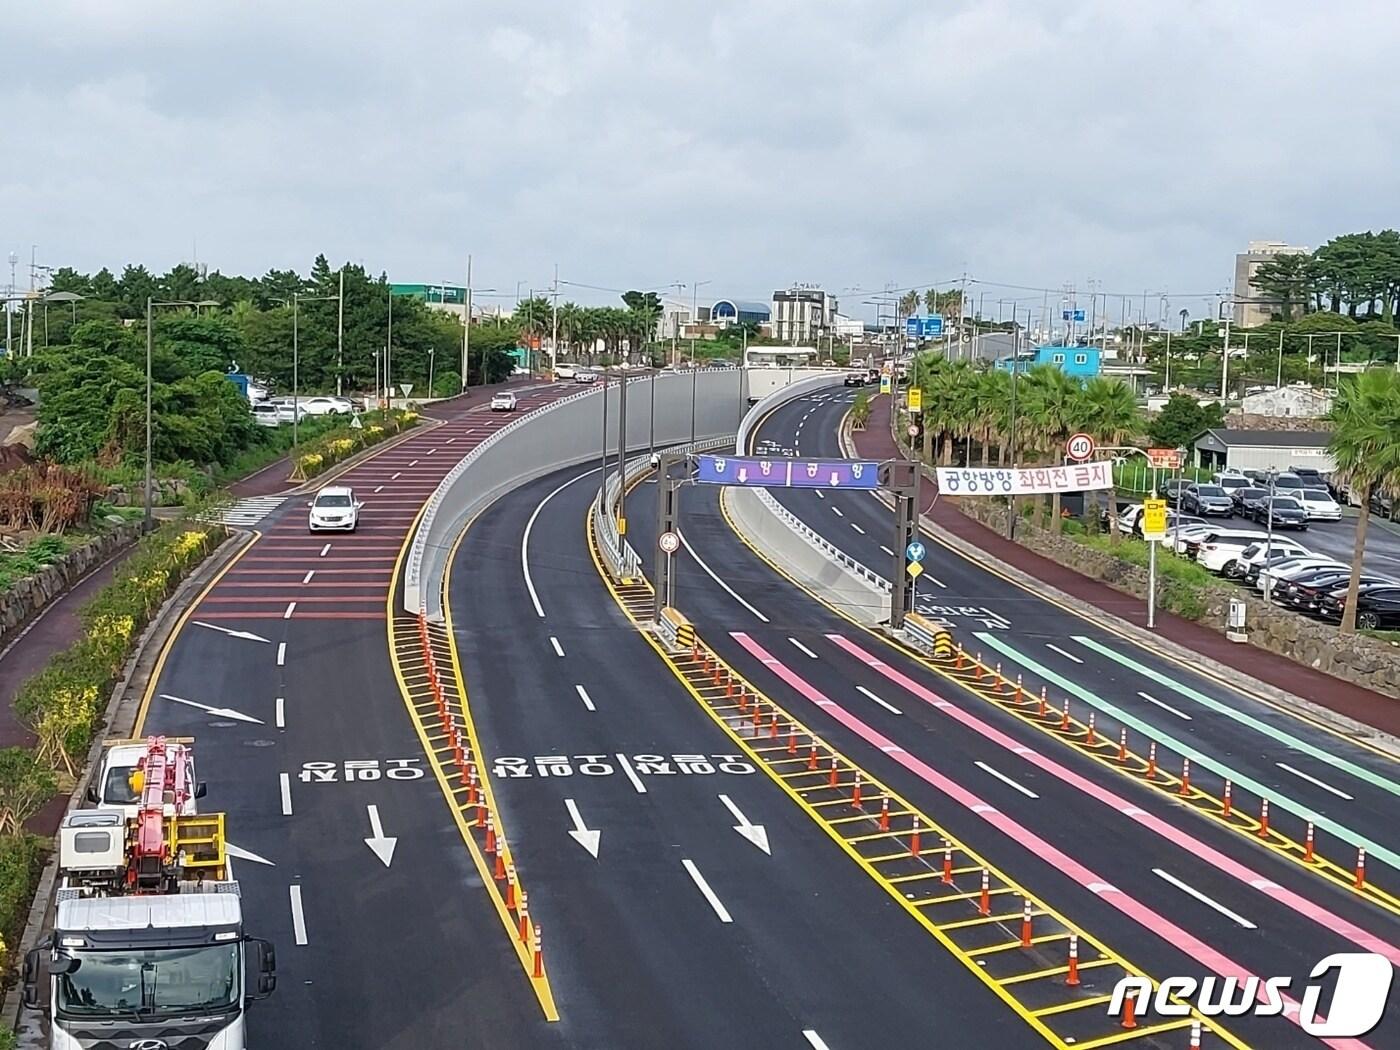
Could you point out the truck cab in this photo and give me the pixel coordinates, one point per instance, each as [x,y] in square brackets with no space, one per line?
[151,970]
[115,786]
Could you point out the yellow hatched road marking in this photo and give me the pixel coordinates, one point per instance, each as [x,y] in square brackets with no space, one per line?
[1141,1032]
[1078,1004]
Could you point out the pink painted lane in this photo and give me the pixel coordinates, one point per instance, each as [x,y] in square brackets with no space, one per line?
[1163,829]
[1131,907]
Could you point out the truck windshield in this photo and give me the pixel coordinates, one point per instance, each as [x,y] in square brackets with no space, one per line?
[117,790]
[153,982]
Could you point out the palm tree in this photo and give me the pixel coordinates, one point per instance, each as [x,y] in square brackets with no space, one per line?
[992,396]
[1365,446]
[908,304]
[1111,417]
[1054,408]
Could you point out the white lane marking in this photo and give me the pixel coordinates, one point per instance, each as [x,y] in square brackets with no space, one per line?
[887,550]
[291,606]
[837,511]
[936,580]
[883,703]
[413,463]
[1163,706]
[1006,779]
[325,550]
[558,649]
[281,654]
[285,782]
[378,487]
[704,887]
[525,540]
[281,713]
[802,647]
[298,917]
[1204,899]
[309,573]
[857,528]
[821,494]
[631,774]
[1069,656]
[816,1041]
[583,695]
[395,476]
[430,452]
[711,573]
[1313,780]
[450,440]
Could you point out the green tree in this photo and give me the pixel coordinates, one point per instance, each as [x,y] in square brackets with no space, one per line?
[1180,422]
[1288,280]
[1110,415]
[1365,446]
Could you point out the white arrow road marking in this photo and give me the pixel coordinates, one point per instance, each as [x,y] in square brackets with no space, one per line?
[222,712]
[242,854]
[580,833]
[704,886]
[383,847]
[1204,899]
[755,833]
[249,635]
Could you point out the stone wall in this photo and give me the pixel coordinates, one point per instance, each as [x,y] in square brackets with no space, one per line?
[1360,658]
[24,600]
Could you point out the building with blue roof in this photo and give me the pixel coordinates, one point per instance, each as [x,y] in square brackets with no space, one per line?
[727,312]
[1078,362]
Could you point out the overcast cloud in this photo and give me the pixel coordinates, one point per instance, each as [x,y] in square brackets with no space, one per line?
[751,144]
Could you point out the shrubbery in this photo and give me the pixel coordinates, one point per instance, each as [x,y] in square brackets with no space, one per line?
[319,456]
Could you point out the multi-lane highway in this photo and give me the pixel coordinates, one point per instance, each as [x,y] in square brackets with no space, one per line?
[794,833]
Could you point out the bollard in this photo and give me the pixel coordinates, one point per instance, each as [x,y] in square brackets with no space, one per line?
[948,860]
[1064,717]
[1026,924]
[510,887]
[1123,744]
[812,757]
[1090,739]
[757,715]
[1043,701]
[743,701]
[792,738]
[1185,777]
[539,955]
[1308,843]
[729,689]
[773,725]
[1225,802]
[1000,680]
[1129,1011]
[1263,818]
[833,777]
[855,791]
[524,915]
[914,839]
[977,668]
[471,784]
[1019,690]
[1072,978]
[500,872]
[984,905]
[1195,1035]
[959,664]
[1361,868]
[481,813]
[885,813]
[1152,760]
[490,835]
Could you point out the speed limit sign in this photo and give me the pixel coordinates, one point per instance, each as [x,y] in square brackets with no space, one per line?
[1079,447]
[669,542]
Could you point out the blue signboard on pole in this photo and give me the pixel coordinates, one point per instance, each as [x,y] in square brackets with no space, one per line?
[912,328]
[788,473]
[933,326]
[1071,315]
[915,551]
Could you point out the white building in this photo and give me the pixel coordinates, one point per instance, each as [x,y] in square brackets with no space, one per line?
[847,328]
[803,314]
[1297,400]
[1226,449]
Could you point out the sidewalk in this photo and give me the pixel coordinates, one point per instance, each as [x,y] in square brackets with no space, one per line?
[1353,701]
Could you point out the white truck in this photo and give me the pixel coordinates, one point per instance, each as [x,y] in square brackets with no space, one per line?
[148,948]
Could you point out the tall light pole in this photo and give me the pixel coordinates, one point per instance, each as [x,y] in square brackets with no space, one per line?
[294,302]
[430,372]
[151,304]
[340,333]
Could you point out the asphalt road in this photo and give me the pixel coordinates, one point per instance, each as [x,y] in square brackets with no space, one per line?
[1069,811]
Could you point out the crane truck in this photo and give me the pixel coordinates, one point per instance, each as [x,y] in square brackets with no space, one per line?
[148,948]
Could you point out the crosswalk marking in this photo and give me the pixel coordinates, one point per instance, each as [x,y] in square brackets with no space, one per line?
[248,512]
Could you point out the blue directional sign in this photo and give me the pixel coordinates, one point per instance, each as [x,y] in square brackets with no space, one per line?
[788,473]
[915,551]
[1071,315]
[912,327]
[933,326]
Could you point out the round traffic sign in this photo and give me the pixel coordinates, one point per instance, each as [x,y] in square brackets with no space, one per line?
[669,542]
[915,551]
[1079,447]
[913,431]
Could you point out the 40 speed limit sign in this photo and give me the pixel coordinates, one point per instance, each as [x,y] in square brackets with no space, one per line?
[1079,447]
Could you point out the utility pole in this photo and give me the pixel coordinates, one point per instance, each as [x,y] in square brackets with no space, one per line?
[388,353]
[1015,368]
[340,335]
[554,328]
[467,327]
[621,461]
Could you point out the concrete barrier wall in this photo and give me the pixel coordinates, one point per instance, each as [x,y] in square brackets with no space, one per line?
[800,383]
[707,403]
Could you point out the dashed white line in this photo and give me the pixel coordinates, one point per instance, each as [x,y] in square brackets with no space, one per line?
[711,573]
[309,573]
[325,550]
[395,476]
[883,703]
[285,783]
[583,695]
[281,713]
[1068,656]
[1164,706]
[887,550]
[1313,780]
[704,887]
[450,440]
[413,463]
[631,774]
[1006,779]
[837,512]
[821,494]
[290,607]
[1204,899]
[430,452]
[816,1041]
[558,649]
[298,917]
[281,654]
[378,487]
[857,528]
[803,648]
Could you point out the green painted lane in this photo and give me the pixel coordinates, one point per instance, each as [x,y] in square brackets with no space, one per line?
[1258,725]
[1276,798]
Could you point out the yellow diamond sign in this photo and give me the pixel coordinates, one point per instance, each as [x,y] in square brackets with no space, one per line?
[913,568]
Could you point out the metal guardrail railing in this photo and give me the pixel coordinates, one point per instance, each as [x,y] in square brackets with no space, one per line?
[817,540]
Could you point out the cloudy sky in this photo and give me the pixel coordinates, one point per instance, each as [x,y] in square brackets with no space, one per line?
[751,144]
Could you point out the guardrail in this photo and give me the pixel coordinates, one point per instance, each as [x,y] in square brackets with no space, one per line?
[817,540]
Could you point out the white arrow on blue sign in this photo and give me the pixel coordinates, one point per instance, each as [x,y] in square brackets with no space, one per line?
[915,551]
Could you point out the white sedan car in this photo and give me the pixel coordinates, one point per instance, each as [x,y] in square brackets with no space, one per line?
[325,406]
[1319,505]
[335,508]
[503,402]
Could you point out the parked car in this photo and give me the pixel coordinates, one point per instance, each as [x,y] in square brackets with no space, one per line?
[1282,512]
[1207,499]
[1376,607]
[1286,570]
[1215,550]
[503,402]
[1246,499]
[1262,552]
[1283,482]
[265,414]
[326,406]
[334,508]
[1173,488]
[1230,482]
[1307,592]
[1180,539]
[1311,477]
[289,409]
[1319,505]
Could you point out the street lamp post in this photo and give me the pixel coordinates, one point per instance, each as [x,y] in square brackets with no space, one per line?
[151,304]
[430,373]
[295,300]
